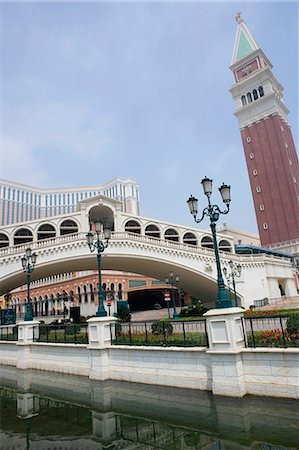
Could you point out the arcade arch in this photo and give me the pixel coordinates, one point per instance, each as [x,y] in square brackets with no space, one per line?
[4,240]
[22,236]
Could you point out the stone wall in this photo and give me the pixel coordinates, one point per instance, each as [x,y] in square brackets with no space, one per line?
[225,368]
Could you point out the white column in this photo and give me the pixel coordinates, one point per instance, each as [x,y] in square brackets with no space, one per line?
[27,332]
[226,341]
[100,333]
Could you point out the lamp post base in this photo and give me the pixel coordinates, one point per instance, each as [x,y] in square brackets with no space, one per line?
[101,313]
[29,313]
[223,301]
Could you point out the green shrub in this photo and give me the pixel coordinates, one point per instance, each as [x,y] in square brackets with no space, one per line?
[162,328]
[124,315]
[72,329]
[118,328]
[293,324]
[43,329]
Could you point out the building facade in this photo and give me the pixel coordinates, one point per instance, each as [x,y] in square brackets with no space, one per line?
[268,144]
[22,203]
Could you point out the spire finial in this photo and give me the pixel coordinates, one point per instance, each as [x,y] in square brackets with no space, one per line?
[238,17]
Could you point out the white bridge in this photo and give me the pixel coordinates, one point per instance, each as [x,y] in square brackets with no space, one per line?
[138,245]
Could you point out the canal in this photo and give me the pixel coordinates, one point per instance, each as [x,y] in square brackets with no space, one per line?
[44,410]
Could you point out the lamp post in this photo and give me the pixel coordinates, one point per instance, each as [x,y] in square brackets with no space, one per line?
[173,281]
[235,271]
[103,234]
[213,211]
[28,263]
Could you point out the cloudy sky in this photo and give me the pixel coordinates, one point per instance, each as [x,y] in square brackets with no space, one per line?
[91,91]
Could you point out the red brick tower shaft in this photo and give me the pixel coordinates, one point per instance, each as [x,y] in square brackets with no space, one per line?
[269,148]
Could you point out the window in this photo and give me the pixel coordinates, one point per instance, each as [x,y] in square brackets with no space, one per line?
[79,295]
[254,172]
[258,189]
[4,241]
[255,94]
[249,97]
[46,231]
[248,139]
[286,145]
[261,91]
[262,207]
[224,246]
[68,226]
[22,236]
[91,293]
[152,231]
[251,155]
[171,235]
[243,99]
[282,129]
[132,226]
[207,242]
[85,294]
[189,239]
[265,226]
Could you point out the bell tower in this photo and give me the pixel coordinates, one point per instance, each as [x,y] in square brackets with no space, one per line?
[268,144]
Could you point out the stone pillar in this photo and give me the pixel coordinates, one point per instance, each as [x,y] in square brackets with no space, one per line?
[100,332]
[27,332]
[226,341]
[104,426]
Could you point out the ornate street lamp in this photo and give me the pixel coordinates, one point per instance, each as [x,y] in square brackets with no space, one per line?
[173,281]
[235,271]
[213,211]
[103,234]
[28,263]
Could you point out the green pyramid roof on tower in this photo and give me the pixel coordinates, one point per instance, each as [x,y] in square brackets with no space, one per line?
[244,48]
[244,42]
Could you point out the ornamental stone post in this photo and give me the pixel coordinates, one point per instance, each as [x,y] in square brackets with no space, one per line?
[100,331]
[226,341]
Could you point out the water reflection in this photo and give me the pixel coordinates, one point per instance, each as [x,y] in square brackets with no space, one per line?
[41,410]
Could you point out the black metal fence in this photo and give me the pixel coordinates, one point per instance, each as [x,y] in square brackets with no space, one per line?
[8,333]
[63,334]
[270,331]
[168,333]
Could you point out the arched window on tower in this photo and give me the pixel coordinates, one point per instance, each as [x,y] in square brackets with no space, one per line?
[261,91]
[255,94]
[249,97]
[243,99]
